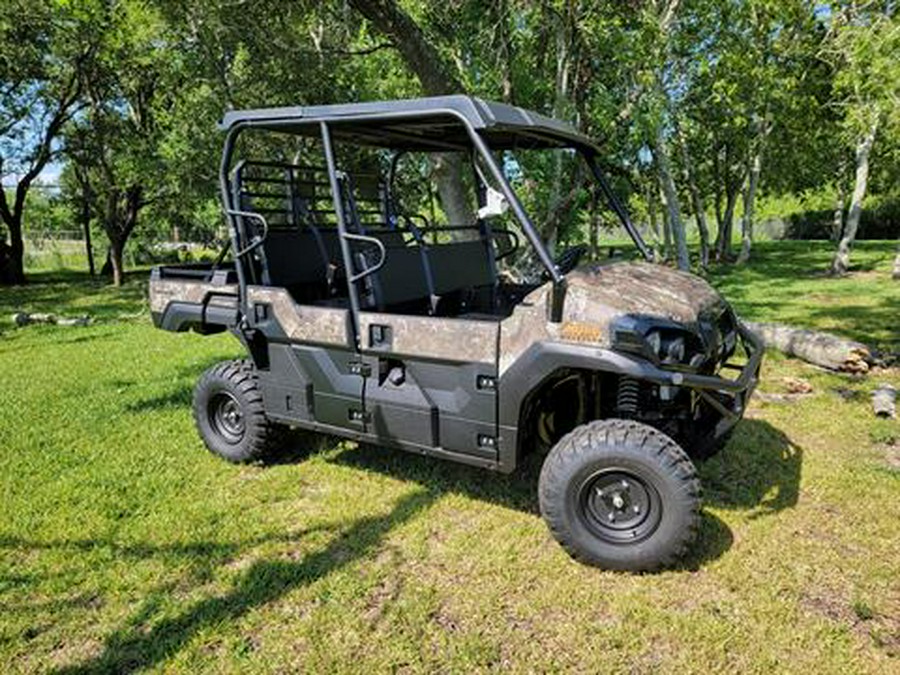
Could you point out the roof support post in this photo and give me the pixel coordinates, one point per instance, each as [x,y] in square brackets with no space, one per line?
[228,207]
[617,207]
[346,252]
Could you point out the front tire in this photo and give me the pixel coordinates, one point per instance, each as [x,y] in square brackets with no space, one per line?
[620,495]
[229,413]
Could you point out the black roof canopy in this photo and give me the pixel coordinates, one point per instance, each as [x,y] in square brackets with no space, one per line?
[435,123]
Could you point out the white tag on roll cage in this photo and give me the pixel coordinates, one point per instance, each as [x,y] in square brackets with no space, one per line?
[495,204]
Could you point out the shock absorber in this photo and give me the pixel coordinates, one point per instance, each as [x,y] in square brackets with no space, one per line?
[627,397]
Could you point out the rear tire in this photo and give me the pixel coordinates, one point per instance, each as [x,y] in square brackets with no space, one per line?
[620,495]
[230,415]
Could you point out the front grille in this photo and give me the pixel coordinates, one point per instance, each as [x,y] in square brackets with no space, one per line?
[719,330]
[727,335]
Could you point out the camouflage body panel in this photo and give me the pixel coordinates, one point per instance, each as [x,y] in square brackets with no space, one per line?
[637,288]
[304,323]
[164,291]
[598,295]
[445,339]
[527,325]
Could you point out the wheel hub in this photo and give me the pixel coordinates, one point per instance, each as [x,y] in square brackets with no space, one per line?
[226,417]
[618,506]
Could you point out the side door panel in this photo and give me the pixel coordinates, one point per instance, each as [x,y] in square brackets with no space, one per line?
[432,381]
[313,374]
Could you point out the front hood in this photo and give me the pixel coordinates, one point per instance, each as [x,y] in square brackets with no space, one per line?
[639,289]
[599,296]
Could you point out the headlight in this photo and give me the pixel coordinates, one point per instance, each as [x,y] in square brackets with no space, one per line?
[674,350]
[669,345]
[654,341]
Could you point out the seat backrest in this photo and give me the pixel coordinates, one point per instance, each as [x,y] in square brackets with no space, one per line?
[460,265]
[402,278]
[294,257]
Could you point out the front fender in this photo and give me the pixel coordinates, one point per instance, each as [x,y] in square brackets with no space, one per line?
[542,359]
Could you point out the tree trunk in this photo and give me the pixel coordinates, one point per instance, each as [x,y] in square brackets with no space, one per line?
[841,262]
[550,230]
[116,250]
[666,225]
[749,205]
[723,241]
[697,204]
[436,78]
[720,217]
[595,226]
[16,262]
[837,220]
[13,256]
[676,225]
[652,224]
[119,222]
[451,190]
[504,49]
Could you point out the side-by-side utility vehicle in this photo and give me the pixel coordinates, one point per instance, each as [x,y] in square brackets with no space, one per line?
[369,277]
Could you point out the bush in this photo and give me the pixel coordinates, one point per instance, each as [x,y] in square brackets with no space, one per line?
[880,220]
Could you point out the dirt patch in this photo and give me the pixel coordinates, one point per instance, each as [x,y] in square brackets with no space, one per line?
[443,618]
[885,634]
[70,652]
[382,596]
[830,605]
[879,630]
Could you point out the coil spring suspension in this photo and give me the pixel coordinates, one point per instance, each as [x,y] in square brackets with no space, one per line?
[627,396]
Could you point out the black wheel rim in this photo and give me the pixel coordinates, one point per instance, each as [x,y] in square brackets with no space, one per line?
[619,506]
[226,417]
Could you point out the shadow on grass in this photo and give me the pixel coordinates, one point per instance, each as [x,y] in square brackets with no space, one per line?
[140,643]
[759,471]
[180,398]
[74,294]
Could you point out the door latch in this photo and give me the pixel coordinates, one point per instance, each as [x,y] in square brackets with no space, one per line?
[359,416]
[359,368]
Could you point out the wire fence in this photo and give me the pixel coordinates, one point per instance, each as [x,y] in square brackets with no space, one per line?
[62,250]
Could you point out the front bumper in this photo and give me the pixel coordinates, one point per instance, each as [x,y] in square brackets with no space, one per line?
[728,396]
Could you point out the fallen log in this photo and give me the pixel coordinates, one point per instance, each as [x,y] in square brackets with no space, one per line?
[25,319]
[821,349]
[884,401]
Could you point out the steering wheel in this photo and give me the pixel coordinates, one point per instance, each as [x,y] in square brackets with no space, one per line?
[568,260]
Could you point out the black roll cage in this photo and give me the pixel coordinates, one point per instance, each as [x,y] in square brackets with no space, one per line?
[235,216]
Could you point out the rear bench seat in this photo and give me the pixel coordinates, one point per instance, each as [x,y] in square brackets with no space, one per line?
[302,258]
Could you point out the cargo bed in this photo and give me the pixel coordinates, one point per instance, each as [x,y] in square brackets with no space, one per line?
[202,297]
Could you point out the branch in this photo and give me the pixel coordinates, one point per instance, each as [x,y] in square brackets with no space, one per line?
[420,55]
[359,52]
[43,154]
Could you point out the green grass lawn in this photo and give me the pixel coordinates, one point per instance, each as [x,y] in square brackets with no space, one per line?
[124,545]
